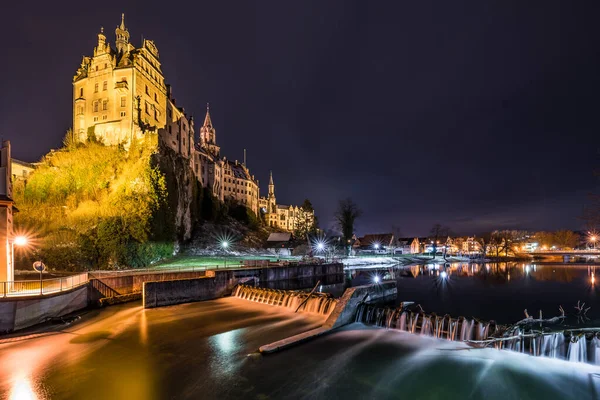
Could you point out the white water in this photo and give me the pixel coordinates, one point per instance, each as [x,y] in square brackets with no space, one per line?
[569,345]
[318,303]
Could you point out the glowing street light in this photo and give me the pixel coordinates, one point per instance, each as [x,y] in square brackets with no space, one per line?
[320,246]
[444,275]
[21,241]
[225,245]
[376,279]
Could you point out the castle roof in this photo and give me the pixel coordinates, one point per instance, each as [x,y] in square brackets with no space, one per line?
[207,120]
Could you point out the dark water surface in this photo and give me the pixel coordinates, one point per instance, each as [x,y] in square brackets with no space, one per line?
[494,291]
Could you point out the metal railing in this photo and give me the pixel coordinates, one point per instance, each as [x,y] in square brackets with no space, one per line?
[46,286]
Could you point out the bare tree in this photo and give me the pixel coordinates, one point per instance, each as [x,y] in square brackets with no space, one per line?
[345,216]
[437,232]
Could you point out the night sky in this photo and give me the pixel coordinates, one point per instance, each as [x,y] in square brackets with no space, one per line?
[479,115]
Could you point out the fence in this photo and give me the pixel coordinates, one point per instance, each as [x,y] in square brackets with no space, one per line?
[46,286]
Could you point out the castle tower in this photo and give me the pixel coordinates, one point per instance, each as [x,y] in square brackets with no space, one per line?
[119,94]
[272,202]
[271,185]
[122,36]
[208,138]
[102,47]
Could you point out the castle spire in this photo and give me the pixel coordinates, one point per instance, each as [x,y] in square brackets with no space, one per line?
[122,35]
[207,120]
[271,185]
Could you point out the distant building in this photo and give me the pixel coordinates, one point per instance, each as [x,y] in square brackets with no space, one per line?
[408,246]
[7,270]
[21,169]
[280,243]
[281,216]
[381,243]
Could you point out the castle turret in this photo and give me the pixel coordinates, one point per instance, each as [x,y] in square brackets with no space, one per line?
[208,138]
[122,35]
[102,46]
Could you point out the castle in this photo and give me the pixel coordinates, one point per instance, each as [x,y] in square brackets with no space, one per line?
[120,96]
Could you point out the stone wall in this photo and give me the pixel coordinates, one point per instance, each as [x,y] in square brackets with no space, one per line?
[165,293]
[19,313]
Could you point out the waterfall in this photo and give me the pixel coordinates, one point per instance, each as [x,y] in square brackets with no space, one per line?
[318,303]
[577,349]
[571,345]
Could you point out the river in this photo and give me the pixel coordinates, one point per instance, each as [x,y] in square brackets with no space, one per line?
[208,350]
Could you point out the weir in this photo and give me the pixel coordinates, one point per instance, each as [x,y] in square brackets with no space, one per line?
[579,345]
[317,303]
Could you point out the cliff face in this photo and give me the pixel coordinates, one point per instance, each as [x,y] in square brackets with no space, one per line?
[182,189]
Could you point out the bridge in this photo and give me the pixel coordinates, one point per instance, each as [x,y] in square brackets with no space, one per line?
[583,253]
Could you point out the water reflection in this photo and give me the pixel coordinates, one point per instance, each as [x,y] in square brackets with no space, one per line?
[491,291]
[22,390]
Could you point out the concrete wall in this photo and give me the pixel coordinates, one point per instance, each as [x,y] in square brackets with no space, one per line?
[165,293]
[19,313]
[287,272]
[345,310]
[133,283]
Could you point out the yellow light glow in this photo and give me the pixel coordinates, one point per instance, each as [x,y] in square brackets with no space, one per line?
[22,390]
[21,241]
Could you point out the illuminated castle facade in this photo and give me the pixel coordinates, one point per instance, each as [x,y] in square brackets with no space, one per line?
[120,95]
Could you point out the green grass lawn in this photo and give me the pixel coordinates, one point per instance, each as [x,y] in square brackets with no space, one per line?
[212,261]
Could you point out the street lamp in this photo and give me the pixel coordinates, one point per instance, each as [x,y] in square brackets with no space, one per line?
[225,245]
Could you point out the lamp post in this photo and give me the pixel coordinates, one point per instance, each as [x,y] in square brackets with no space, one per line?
[593,239]
[20,241]
[225,245]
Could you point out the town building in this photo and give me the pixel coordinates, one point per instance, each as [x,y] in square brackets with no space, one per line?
[7,270]
[408,246]
[380,243]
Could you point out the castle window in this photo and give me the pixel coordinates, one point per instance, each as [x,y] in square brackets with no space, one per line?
[96,68]
[147,108]
[123,101]
[147,92]
[96,88]
[123,113]
[80,92]
[104,117]
[95,106]
[95,119]
[105,85]
[105,65]
[169,128]
[105,105]
[155,97]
